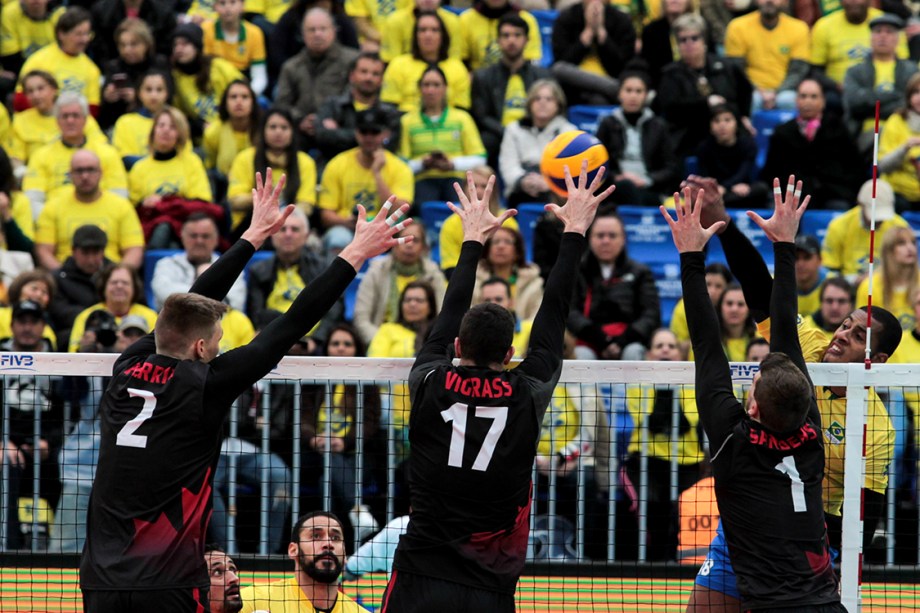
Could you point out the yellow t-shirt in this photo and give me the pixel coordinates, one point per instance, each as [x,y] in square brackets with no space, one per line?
[238,330]
[270,9]
[288,285]
[640,401]
[879,432]
[400,83]
[899,306]
[561,422]
[63,214]
[242,178]
[480,39]
[247,50]
[49,168]
[376,11]
[884,82]
[334,421]
[19,33]
[183,175]
[679,322]
[846,244]
[767,52]
[221,144]
[394,340]
[347,184]
[810,301]
[515,106]
[521,338]
[454,133]
[79,324]
[21,210]
[73,73]
[450,240]
[200,105]
[203,9]
[31,130]
[396,35]
[903,179]
[131,135]
[837,44]
[287,597]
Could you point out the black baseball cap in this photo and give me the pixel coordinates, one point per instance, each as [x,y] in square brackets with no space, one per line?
[28,307]
[89,237]
[371,120]
[887,19]
[807,243]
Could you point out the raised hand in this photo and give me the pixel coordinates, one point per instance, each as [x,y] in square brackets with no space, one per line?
[478,220]
[577,213]
[375,237]
[713,204]
[689,234]
[782,226]
[267,214]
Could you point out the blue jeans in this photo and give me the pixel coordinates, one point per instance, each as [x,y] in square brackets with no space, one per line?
[249,469]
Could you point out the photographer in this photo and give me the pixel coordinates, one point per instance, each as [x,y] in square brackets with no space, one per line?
[120,292]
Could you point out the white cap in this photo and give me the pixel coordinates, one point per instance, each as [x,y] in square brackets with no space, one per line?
[884,199]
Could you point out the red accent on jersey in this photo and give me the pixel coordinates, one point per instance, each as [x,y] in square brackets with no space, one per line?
[159,536]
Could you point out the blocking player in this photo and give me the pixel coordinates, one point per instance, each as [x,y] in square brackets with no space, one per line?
[768,455]
[162,414]
[715,584]
[473,429]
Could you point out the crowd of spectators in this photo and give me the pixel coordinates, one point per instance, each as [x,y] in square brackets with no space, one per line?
[134,125]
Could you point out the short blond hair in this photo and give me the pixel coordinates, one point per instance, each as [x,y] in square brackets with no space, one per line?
[179,120]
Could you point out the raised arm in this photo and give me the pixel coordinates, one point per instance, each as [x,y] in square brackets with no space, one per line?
[233,372]
[478,224]
[744,260]
[781,228]
[718,408]
[544,353]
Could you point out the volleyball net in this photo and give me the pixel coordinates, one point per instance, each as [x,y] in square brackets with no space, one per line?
[623,507]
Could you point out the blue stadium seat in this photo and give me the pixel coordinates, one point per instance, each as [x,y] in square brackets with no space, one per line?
[586,117]
[815,223]
[751,230]
[765,123]
[528,215]
[351,292]
[648,236]
[545,20]
[151,257]
[434,214]
[911,217]
[667,278]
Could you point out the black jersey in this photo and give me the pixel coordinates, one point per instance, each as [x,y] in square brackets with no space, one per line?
[768,484]
[473,436]
[161,433]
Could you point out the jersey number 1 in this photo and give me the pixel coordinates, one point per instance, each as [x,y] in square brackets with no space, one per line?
[788,468]
[457,414]
[126,436]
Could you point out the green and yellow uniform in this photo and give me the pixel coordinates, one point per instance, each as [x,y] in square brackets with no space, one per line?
[346,183]
[63,214]
[454,133]
[242,53]
[400,83]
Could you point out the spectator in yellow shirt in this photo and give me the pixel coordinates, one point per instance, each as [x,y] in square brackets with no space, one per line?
[131,135]
[25,28]
[236,129]
[370,16]
[396,35]
[899,148]
[894,282]
[67,59]
[836,304]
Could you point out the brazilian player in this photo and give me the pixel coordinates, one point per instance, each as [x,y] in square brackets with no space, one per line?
[715,588]
[473,429]
[768,455]
[162,414]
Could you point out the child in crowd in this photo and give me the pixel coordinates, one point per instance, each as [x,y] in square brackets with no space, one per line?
[729,155]
[131,135]
[236,40]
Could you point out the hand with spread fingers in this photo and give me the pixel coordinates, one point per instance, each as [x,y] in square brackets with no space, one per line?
[689,234]
[478,220]
[579,209]
[377,236]
[713,204]
[267,214]
[782,226]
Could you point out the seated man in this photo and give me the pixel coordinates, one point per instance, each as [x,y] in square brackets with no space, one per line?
[176,273]
[84,202]
[317,549]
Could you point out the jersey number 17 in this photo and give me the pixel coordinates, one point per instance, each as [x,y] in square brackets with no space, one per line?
[457,414]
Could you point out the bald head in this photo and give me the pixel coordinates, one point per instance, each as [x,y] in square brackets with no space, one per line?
[85,174]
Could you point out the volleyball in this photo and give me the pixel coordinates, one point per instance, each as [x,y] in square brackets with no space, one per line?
[569,149]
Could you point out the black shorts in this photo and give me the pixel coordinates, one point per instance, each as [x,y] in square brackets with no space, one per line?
[410,593]
[180,600]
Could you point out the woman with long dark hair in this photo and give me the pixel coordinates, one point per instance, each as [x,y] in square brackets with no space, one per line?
[275,146]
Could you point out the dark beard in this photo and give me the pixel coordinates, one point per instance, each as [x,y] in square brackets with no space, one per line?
[320,573]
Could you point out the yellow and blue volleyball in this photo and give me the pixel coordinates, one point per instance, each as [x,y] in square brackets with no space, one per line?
[569,149]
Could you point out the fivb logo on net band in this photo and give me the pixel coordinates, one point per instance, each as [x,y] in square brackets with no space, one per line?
[16,362]
[742,372]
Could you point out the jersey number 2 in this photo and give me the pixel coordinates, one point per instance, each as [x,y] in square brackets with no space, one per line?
[787,467]
[457,414]
[126,436]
